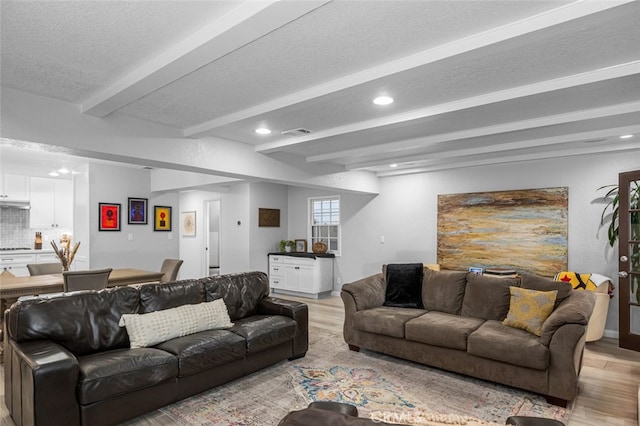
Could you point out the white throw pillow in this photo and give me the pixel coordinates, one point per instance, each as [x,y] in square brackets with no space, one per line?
[159,326]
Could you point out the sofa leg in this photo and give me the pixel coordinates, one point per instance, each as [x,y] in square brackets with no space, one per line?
[556,401]
[354,348]
[297,356]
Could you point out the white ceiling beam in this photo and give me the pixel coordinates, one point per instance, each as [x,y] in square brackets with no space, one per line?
[249,21]
[571,152]
[528,25]
[501,96]
[436,157]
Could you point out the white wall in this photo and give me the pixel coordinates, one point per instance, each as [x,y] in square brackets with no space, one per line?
[267,239]
[405,212]
[114,249]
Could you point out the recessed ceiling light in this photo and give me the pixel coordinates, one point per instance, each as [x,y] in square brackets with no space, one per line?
[262,131]
[393,165]
[383,100]
[626,136]
[54,174]
[63,170]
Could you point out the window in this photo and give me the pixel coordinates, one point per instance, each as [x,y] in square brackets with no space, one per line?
[324,222]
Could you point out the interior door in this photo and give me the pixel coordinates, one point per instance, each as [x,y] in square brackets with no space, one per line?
[629,262]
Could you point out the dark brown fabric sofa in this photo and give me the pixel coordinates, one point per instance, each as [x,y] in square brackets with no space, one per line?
[460,329]
[67,362]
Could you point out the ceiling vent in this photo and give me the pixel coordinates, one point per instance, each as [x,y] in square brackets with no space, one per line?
[297,132]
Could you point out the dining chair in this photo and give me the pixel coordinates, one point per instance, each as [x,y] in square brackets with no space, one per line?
[44,268]
[86,280]
[170,268]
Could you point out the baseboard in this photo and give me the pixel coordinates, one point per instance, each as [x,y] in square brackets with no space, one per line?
[335,293]
[611,333]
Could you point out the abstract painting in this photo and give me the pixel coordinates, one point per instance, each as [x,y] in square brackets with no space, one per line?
[525,230]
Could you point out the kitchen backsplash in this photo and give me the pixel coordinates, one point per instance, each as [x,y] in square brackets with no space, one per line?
[15,230]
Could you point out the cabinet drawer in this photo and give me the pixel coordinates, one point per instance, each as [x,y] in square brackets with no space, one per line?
[276,270]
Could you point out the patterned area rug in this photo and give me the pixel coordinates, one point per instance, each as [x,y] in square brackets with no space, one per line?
[377,384]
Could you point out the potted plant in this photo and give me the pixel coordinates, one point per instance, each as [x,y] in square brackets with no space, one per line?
[287,245]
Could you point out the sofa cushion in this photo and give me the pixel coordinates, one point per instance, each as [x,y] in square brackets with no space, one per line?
[264,331]
[403,285]
[529,309]
[535,282]
[159,326]
[442,329]
[81,322]
[443,291]
[241,292]
[160,296]
[496,341]
[487,297]
[204,350]
[385,320]
[113,373]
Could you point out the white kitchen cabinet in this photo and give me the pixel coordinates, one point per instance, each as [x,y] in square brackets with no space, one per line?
[51,203]
[14,187]
[16,263]
[302,274]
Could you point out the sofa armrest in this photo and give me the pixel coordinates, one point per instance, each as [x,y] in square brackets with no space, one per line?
[575,309]
[298,311]
[44,377]
[367,292]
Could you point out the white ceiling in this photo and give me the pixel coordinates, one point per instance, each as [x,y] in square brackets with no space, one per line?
[474,82]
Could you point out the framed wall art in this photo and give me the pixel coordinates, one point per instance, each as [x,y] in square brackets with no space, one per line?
[525,230]
[137,212]
[188,221]
[109,216]
[301,246]
[162,218]
[269,217]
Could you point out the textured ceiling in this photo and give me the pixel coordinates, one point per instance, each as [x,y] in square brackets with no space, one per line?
[473,80]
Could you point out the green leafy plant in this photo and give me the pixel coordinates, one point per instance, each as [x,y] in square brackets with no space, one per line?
[286,243]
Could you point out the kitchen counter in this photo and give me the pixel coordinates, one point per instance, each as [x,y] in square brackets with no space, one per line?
[26,251]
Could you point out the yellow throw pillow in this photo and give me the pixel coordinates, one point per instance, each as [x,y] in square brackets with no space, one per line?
[528,309]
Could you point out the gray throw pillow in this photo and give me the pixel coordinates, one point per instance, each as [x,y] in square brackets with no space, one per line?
[535,282]
[487,297]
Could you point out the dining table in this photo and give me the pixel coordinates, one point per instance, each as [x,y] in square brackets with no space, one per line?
[11,288]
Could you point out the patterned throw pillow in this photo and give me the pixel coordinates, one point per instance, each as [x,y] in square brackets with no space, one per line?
[529,309]
[159,326]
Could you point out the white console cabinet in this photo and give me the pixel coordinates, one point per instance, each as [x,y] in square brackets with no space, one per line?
[301,274]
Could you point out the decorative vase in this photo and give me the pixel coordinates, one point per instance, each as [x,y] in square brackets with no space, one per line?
[287,249]
[319,247]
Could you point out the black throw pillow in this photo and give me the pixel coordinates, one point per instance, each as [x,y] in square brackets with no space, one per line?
[404,285]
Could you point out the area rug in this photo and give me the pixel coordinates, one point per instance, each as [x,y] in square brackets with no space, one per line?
[379,385]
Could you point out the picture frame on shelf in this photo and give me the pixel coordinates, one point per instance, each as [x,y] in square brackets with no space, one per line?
[162,218]
[301,246]
[188,221]
[109,216]
[137,211]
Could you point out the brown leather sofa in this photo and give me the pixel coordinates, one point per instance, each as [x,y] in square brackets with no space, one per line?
[459,328]
[67,362]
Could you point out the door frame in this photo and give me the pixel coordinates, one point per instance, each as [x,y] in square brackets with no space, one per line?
[627,339]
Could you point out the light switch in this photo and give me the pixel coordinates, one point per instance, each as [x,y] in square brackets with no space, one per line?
[130,236]
[381,239]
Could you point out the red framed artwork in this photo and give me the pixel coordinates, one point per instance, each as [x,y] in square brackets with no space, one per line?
[109,216]
[162,218]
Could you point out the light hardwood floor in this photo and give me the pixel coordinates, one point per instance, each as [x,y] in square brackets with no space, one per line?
[608,388]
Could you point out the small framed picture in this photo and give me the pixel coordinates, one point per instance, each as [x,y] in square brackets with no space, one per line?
[476,270]
[162,218]
[109,216]
[301,246]
[188,221]
[137,211]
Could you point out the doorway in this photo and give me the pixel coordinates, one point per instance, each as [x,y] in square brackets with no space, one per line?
[629,262]
[212,238]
